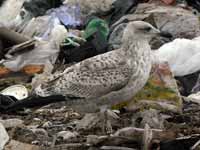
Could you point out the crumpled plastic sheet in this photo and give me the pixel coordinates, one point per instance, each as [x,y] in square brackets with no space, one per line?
[42,26]
[196,88]
[9,10]
[182,55]
[69,15]
[45,52]
[3,136]
[41,55]
[53,21]
[194,3]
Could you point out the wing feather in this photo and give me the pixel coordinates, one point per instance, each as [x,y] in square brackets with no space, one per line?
[90,84]
[93,77]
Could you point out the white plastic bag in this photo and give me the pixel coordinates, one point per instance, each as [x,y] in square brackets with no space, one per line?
[45,52]
[182,55]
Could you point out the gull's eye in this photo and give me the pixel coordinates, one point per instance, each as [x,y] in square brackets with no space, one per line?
[147,29]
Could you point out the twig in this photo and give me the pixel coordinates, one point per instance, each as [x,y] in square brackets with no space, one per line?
[28,45]
[195,145]
[12,36]
[147,137]
[115,148]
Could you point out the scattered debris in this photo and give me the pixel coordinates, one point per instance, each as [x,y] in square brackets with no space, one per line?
[67,135]
[194,98]
[12,123]
[168,1]
[150,117]
[3,137]
[16,145]
[18,91]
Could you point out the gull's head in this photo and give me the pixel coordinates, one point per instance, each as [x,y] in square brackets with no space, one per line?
[141,30]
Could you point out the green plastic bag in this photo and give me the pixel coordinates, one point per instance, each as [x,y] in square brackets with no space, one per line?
[97,25]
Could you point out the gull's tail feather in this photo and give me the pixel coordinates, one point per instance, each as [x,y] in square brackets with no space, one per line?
[33,102]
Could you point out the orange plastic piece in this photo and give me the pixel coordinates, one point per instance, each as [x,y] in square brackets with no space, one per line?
[4,71]
[168,2]
[32,69]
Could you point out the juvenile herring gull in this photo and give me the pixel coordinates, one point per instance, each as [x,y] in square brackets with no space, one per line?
[111,77]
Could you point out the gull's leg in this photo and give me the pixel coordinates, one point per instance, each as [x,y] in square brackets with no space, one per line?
[106,116]
[106,124]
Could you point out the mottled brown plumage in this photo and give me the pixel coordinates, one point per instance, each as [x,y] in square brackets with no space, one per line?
[114,76]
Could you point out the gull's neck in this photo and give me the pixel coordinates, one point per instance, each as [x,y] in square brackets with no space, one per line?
[135,46]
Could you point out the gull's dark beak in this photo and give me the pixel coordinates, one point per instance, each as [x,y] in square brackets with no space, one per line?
[155,31]
[165,34]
